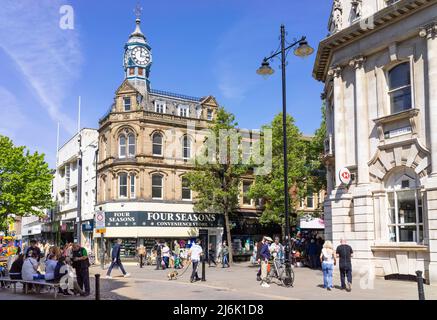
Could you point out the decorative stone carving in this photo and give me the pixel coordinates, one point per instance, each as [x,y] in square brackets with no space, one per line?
[335,71]
[356,9]
[429,31]
[357,62]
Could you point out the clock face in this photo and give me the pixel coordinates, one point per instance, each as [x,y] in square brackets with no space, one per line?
[140,55]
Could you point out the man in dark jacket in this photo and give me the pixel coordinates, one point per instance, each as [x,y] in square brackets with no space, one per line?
[345,253]
[81,264]
[116,260]
[265,257]
[34,247]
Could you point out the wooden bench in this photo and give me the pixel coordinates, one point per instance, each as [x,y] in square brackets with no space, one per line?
[54,285]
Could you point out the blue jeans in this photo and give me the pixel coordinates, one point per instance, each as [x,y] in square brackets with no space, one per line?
[328,269]
[116,263]
[225,260]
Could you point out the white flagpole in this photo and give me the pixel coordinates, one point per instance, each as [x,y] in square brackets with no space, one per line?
[78,118]
[57,147]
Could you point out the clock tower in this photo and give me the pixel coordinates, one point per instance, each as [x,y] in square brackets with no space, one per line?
[137,58]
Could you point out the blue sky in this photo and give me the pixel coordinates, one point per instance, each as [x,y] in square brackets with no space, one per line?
[199,47]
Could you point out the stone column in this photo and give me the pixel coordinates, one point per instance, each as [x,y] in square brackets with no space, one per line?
[339,125]
[430,34]
[362,121]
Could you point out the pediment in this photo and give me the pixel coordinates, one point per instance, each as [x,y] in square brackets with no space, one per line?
[210,101]
[126,87]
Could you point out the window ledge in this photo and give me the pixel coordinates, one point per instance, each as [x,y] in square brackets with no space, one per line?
[407,114]
[399,247]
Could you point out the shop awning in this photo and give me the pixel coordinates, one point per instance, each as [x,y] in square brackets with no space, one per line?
[315,223]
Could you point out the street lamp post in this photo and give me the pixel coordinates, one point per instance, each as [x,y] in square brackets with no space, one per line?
[302,50]
[79,193]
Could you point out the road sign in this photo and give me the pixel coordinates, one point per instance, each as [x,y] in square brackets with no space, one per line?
[345,176]
[100,220]
[102,230]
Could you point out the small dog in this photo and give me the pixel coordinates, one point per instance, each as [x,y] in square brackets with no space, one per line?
[172,275]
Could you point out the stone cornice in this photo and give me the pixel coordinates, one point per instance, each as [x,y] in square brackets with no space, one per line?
[382,19]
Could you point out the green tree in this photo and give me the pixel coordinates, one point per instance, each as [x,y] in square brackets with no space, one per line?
[25,182]
[270,187]
[216,178]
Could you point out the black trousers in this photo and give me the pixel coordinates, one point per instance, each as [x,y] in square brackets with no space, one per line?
[211,258]
[194,274]
[83,279]
[345,272]
[158,262]
[141,260]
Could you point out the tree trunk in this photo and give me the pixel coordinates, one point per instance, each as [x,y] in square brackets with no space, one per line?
[228,235]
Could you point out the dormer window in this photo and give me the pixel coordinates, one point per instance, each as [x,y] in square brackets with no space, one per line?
[184,111]
[160,106]
[127,104]
[209,115]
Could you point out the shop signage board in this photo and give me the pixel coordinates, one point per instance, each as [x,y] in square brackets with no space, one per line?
[163,219]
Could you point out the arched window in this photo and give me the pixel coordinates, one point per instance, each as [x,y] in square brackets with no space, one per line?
[131,141]
[186,191]
[157,186]
[399,82]
[186,147]
[122,185]
[405,207]
[122,146]
[157,144]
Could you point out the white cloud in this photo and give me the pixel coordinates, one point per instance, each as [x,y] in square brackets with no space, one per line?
[48,57]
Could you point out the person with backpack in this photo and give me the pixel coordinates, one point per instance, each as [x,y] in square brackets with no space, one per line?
[81,264]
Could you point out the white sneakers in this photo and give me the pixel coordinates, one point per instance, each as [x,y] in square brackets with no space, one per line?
[265,285]
[108,277]
[127,275]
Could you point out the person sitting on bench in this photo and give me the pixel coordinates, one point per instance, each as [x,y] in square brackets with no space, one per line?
[15,270]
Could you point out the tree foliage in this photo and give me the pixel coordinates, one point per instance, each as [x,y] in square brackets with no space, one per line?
[216,179]
[25,181]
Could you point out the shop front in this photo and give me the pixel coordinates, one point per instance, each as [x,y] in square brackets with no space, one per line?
[87,231]
[67,231]
[31,233]
[246,230]
[146,227]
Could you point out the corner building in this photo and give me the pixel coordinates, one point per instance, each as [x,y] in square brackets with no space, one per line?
[146,142]
[379,67]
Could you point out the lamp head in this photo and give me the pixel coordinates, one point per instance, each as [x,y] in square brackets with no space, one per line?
[303,50]
[265,70]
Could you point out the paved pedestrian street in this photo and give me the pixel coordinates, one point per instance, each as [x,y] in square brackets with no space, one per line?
[235,283]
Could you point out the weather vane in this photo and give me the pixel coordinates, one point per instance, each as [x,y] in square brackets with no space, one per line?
[138,10]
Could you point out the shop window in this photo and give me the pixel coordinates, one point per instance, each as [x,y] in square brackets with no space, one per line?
[399,80]
[157,144]
[157,186]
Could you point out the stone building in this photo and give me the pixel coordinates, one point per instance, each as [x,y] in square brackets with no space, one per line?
[147,140]
[379,67]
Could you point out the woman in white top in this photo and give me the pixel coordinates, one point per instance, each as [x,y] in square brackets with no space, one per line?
[327,258]
[30,268]
[166,254]
[50,267]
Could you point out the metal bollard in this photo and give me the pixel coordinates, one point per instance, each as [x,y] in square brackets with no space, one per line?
[97,286]
[420,285]
[203,269]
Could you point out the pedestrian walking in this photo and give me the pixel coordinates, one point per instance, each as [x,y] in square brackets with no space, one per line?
[195,253]
[225,255]
[176,255]
[312,254]
[158,249]
[81,264]
[258,258]
[141,251]
[327,258]
[345,253]
[116,260]
[166,255]
[265,256]
[211,255]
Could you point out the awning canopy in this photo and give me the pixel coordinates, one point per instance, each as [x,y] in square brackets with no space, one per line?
[315,223]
